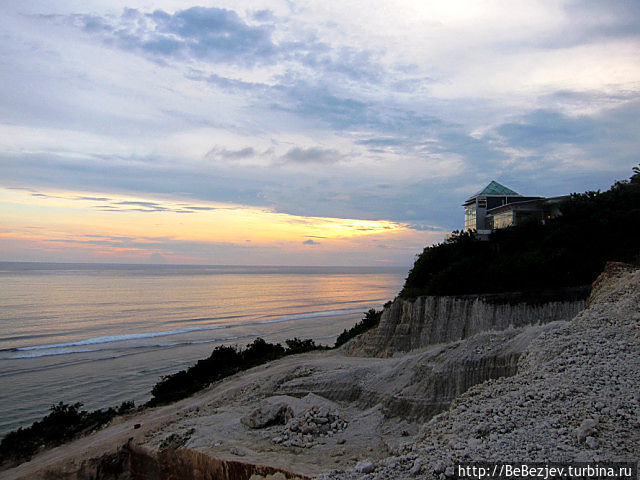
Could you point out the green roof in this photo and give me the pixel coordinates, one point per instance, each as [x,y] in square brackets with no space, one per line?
[494,188]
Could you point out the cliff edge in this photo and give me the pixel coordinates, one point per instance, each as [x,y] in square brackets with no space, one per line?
[557,391]
[575,397]
[411,324]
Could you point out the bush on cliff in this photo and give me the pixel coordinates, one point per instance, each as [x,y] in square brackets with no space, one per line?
[228,360]
[370,320]
[64,423]
[223,362]
[569,250]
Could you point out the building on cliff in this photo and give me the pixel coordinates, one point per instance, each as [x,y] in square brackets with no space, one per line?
[497,206]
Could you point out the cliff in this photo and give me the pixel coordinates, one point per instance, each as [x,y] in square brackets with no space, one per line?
[380,402]
[422,383]
[409,324]
[557,391]
[574,398]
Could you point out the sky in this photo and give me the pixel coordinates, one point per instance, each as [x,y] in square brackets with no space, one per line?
[299,133]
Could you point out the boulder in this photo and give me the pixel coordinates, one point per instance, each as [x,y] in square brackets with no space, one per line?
[268,415]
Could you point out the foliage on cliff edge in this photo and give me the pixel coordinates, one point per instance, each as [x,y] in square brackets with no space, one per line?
[371,319]
[64,422]
[570,250]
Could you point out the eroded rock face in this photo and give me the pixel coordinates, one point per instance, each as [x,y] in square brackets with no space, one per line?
[410,324]
[136,463]
[575,398]
[421,384]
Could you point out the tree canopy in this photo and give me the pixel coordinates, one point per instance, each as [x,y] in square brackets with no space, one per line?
[569,250]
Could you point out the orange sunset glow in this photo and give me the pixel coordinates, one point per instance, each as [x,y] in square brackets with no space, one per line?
[134,229]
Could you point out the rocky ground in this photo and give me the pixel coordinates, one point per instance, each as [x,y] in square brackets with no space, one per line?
[576,397]
[571,392]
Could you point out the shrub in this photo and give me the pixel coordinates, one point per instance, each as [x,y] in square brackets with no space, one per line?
[63,423]
[223,362]
[371,319]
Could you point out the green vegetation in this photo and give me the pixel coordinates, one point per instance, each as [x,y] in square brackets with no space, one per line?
[64,423]
[570,250]
[370,320]
[223,362]
[228,360]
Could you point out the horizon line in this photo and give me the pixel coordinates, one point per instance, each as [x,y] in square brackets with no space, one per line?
[197,264]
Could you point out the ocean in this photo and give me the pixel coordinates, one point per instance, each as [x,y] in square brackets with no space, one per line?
[104,334]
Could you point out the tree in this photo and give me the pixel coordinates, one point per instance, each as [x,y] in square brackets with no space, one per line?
[635,178]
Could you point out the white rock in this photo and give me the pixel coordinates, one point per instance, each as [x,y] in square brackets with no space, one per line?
[365,466]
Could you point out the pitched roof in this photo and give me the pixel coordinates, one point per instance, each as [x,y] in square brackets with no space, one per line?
[494,188]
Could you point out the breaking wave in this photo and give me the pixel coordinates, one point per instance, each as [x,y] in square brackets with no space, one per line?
[72,347]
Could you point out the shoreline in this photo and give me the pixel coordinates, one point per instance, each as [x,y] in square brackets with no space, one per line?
[223,362]
[133,372]
[401,416]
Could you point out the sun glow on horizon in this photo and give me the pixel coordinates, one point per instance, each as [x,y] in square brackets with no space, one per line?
[115,227]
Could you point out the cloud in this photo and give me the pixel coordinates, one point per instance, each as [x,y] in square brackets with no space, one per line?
[359,122]
[219,152]
[44,195]
[596,20]
[423,228]
[148,205]
[208,33]
[310,242]
[94,199]
[339,111]
[197,209]
[264,16]
[354,64]
[543,133]
[227,83]
[381,142]
[311,155]
[220,35]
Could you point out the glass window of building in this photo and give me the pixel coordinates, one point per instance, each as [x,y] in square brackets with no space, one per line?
[503,219]
[470,217]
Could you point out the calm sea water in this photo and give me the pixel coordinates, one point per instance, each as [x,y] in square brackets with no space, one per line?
[103,334]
